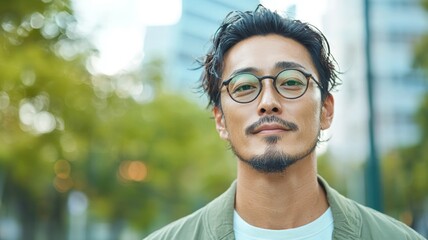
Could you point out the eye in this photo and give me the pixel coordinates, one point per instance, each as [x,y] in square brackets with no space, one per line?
[292,82]
[243,88]
[243,84]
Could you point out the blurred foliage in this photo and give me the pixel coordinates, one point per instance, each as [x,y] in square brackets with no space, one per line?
[404,170]
[327,169]
[421,48]
[141,155]
[405,180]
[17,10]
[424,3]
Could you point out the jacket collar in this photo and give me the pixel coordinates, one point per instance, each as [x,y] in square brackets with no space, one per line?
[347,220]
[219,215]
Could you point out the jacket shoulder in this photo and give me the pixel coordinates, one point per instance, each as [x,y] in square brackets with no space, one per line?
[377,225]
[188,227]
[213,221]
[355,221]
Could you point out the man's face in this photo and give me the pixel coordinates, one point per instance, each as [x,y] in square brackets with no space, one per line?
[272,129]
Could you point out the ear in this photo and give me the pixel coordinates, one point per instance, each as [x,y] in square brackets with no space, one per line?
[327,112]
[220,123]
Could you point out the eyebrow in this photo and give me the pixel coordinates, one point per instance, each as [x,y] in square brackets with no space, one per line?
[287,65]
[278,66]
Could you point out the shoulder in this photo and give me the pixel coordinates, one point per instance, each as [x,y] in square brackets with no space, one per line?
[213,221]
[189,227]
[378,224]
[371,224]
[355,221]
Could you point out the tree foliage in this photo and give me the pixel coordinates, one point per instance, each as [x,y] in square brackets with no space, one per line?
[141,155]
[421,58]
[404,175]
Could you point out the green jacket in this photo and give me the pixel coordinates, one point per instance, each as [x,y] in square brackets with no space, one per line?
[351,221]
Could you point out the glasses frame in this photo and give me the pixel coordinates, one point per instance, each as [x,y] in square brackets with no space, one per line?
[308,76]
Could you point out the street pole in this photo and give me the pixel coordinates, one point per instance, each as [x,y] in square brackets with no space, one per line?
[373,188]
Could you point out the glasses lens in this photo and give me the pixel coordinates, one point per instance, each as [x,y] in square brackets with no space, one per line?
[291,83]
[244,87]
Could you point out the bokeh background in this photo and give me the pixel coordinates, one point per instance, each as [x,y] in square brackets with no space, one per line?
[104,133]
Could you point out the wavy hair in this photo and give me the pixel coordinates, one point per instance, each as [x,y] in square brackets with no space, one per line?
[239,25]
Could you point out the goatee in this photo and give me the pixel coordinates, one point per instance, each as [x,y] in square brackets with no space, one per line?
[273,160]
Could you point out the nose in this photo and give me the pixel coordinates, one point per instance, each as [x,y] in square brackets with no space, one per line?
[270,100]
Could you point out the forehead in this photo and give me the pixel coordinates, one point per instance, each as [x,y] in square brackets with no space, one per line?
[263,53]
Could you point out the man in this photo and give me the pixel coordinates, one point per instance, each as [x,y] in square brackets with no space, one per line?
[269,79]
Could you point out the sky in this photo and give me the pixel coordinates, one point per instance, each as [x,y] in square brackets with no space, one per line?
[117,27]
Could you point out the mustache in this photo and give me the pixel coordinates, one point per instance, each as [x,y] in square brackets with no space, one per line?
[271,119]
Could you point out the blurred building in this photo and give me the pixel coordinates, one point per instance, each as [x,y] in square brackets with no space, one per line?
[181,44]
[396,25]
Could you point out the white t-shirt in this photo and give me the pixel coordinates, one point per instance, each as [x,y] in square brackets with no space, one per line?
[321,228]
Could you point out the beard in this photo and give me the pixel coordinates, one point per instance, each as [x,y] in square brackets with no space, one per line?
[274,160]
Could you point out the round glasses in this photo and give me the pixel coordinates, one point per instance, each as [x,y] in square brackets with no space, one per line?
[289,83]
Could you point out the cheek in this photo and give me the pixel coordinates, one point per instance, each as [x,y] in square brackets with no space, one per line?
[310,121]
[234,124]
[235,121]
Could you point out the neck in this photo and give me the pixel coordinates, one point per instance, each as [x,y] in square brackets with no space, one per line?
[284,200]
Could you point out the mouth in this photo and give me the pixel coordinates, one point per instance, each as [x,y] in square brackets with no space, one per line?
[271,125]
[270,129]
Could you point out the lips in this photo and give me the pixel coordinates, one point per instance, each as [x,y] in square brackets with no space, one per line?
[270,128]
[271,124]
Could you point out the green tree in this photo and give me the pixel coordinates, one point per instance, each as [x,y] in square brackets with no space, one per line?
[141,155]
[187,164]
[40,64]
[405,178]
[421,58]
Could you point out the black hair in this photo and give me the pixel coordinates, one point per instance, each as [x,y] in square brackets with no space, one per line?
[239,25]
